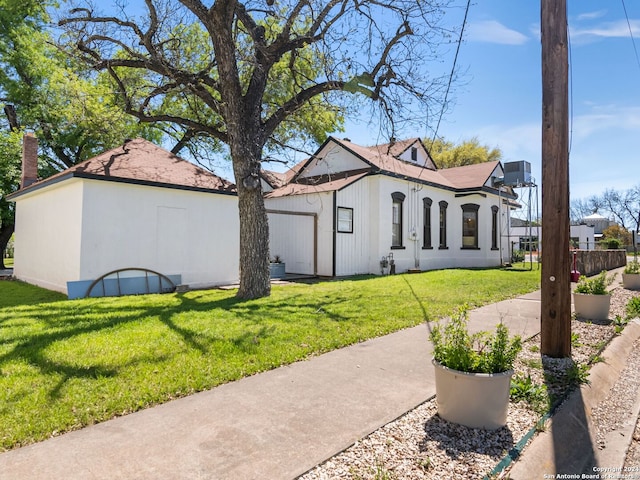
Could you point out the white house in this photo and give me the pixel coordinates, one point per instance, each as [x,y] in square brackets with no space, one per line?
[525,238]
[349,208]
[136,206]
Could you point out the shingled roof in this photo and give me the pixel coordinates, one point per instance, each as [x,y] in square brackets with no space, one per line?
[143,163]
[383,160]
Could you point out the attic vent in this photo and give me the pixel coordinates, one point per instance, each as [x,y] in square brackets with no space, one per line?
[414,154]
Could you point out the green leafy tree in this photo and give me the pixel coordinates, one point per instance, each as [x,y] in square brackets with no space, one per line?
[263,74]
[73,111]
[468,152]
[616,234]
[9,180]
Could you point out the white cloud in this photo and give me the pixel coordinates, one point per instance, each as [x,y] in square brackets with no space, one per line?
[619,29]
[491,31]
[601,118]
[591,15]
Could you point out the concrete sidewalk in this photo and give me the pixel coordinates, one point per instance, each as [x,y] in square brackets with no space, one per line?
[274,425]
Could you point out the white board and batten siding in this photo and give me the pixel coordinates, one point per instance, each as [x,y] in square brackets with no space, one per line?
[454,256]
[292,238]
[298,251]
[353,250]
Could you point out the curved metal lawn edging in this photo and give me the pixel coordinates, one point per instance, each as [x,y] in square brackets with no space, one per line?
[171,286]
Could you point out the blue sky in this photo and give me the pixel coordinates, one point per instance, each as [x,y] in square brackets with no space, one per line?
[500,98]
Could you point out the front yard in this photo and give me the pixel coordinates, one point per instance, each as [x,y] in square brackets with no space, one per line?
[67,364]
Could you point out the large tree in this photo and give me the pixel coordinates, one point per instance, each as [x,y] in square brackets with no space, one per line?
[72,110]
[624,205]
[448,154]
[9,179]
[262,69]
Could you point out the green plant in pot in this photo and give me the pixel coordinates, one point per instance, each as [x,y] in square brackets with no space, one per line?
[473,372]
[631,276]
[277,267]
[591,298]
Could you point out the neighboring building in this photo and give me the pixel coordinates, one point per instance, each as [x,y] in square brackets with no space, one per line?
[598,222]
[583,237]
[136,206]
[525,238]
[349,208]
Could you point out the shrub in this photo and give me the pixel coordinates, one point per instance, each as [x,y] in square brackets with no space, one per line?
[633,308]
[613,243]
[595,285]
[632,267]
[483,352]
[517,256]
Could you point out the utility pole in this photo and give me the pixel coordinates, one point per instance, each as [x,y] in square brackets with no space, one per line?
[555,312]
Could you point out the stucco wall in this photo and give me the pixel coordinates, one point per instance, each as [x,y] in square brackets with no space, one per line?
[47,236]
[171,231]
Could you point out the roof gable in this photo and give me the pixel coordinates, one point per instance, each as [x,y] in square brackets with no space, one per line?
[411,150]
[330,159]
[141,162]
[347,161]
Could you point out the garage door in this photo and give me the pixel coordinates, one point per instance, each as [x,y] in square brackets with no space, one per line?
[292,237]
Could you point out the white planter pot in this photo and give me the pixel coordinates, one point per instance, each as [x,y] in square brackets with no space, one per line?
[477,400]
[631,281]
[592,307]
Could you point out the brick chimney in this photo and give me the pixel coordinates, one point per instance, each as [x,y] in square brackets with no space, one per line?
[29,160]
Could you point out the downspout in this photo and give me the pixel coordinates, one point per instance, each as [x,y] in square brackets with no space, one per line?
[335,234]
[416,223]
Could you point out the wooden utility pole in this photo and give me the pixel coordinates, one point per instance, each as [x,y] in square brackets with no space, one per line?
[555,312]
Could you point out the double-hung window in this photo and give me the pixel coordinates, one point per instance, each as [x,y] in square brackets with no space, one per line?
[396,219]
[443,225]
[470,225]
[426,219]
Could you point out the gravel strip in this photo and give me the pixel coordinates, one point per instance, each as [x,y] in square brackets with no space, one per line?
[420,445]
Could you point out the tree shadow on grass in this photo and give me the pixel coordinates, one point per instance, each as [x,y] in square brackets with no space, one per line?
[60,322]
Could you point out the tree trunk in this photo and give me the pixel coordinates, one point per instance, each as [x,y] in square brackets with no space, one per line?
[6,231]
[254,225]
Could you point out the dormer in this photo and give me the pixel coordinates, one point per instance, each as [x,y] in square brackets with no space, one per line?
[414,152]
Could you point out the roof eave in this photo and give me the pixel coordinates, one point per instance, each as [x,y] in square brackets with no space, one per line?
[132,181]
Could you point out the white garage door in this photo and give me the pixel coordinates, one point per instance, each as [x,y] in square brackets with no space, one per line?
[292,238]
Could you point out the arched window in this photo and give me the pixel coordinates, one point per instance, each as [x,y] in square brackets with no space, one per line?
[470,225]
[443,225]
[426,218]
[396,219]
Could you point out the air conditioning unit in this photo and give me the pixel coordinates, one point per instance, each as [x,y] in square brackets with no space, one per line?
[517,173]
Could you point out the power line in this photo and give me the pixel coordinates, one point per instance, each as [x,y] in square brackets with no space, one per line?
[633,41]
[453,68]
[570,50]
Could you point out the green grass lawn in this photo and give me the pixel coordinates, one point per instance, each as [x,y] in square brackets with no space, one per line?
[67,364]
